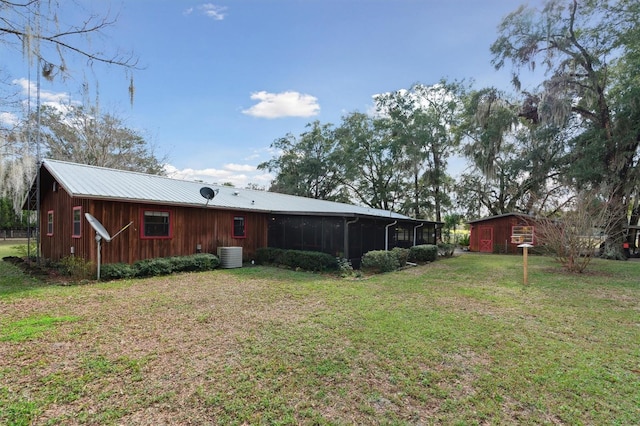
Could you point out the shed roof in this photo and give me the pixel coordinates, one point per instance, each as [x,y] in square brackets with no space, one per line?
[84,181]
[484,219]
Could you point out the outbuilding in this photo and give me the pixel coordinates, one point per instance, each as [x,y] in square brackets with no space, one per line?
[156,216]
[502,233]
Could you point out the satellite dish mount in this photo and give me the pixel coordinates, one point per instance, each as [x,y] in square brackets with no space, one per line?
[208,193]
[101,233]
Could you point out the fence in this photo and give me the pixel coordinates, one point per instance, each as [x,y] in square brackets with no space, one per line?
[15,233]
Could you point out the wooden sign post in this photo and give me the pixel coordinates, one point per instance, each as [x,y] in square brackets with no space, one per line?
[525,251]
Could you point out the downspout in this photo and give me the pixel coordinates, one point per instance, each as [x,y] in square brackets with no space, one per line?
[386,235]
[415,233]
[346,235]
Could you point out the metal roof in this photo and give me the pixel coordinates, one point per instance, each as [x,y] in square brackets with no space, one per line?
[523,215]
[85,181]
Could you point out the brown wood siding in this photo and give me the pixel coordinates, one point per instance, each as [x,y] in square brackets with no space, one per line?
[502,227]
[59,245]
[191,226]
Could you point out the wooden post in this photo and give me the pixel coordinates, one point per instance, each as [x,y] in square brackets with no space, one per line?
[525,254]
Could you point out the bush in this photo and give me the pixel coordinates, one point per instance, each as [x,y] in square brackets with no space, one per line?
[153,267]
[380,261]
[23,249]
[297,259]
[204,261]
[446,250]
[195,262]
[344,267]
[269,256]
[117,271]
[160,266]
[75,267]
[401,255]
[423,253]
[465,240]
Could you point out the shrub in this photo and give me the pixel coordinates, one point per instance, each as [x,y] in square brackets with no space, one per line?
[464,240]
[75,267]
[23,249]
[152,267]
[205,261]
[269,255]
[116,271]
[160,266]
[297,259]
[446,250]
[401,255]
[195,262]
[344,267]
[380,261]
[423,253]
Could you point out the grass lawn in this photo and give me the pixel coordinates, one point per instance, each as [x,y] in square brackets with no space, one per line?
[459,341]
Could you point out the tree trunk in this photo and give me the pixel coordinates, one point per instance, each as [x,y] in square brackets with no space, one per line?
[617,231]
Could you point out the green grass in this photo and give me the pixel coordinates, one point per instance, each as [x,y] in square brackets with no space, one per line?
[459,341]
[29,328]
[12,280]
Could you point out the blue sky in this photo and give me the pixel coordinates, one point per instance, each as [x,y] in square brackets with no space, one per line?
[222,80]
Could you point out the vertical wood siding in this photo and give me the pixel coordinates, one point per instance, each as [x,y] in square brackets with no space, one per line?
[191,226]
[502,227]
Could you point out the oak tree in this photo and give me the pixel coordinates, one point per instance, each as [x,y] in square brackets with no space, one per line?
[588,51]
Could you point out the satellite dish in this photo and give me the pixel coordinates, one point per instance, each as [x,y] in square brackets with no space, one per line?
[97,226]
[208,193]
[101,233]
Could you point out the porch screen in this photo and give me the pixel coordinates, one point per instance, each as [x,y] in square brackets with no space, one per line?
[309,233]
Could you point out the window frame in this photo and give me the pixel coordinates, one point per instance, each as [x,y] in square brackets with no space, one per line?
[50,223]
[143,223]
[76,222]
[244,226]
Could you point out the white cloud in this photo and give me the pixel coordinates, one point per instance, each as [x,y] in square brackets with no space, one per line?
[212,11]
[8,119]
[240,175]
[285,104]
[209,10]
[240,167]
[58,100]
[46,97]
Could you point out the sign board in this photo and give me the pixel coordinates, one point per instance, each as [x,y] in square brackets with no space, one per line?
[522,234]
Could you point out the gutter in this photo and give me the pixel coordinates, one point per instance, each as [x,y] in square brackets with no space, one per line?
[386,235]
[346,235]
[415,233]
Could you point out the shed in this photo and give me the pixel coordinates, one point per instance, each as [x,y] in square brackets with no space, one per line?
[170,217]
[502,233]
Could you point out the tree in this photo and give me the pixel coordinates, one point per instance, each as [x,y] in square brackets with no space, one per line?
[577,235]
[589,52]
[307,165]
[369,161]
[421,121]
[451,222]
[515,167]
[35,28]
[86,135]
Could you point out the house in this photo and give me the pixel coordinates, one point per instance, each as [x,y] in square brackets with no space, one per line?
[153,216]
[502,233]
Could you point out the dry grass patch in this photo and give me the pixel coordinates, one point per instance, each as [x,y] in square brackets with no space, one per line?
[458,341]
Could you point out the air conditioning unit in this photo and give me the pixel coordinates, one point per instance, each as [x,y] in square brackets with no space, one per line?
[230,257]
